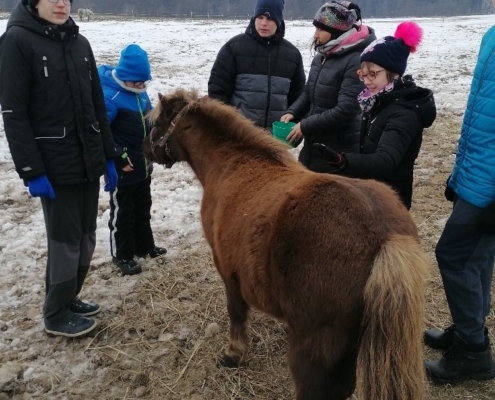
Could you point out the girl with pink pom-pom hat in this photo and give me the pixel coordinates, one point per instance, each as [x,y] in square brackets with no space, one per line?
[395,112]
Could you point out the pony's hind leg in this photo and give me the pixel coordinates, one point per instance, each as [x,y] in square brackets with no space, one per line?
[238,339]
[319,375]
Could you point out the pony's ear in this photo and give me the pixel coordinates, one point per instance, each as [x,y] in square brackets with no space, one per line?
[160,96]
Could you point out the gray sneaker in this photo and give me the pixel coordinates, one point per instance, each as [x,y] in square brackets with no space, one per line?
[77,326]
[84,309]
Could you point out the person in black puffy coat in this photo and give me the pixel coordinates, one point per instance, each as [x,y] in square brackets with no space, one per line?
[56,126]
[328,111]
[259,72]
[395,112]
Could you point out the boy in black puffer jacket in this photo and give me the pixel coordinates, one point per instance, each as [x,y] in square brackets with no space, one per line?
[259,72]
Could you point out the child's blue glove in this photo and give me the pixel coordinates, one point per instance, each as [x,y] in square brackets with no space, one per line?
[110,177]
[41,187]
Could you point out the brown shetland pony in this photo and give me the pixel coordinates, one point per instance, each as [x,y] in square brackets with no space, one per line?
[338,259]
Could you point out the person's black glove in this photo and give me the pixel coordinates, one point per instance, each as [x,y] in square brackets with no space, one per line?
[486,220]
[449,192]
[331,156]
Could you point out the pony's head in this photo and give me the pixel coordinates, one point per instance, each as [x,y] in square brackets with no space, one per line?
[158,146]
[185,126]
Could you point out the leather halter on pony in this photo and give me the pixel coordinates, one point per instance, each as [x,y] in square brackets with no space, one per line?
[338,259]
[162,143]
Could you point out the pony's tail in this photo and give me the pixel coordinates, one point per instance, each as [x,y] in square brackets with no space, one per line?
[390,356]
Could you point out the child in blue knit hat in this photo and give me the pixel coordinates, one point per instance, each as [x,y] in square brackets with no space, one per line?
[259,72]
[127,104]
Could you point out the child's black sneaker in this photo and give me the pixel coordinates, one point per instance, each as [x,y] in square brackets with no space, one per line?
[127,267]
[77,326]
[154,252]
[84,309]
[157,251]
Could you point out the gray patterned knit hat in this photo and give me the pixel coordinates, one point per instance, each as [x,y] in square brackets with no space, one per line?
[337,15]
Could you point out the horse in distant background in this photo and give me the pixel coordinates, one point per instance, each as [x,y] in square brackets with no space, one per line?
[338,259]
[85,13]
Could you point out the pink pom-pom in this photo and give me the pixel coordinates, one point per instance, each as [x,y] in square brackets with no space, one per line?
[410,33]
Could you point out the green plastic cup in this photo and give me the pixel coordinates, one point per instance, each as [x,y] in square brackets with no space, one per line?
[280,130]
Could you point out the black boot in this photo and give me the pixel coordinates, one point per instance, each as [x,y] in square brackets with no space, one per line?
[153,253]
[439,339]
[127,267]
[461,362]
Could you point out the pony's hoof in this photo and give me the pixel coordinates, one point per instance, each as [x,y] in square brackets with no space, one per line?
[229,362]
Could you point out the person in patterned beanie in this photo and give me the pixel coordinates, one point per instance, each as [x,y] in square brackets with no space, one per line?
[328,111]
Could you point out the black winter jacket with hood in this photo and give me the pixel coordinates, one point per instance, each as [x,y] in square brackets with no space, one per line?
[52,102]
[391,137]
[328,108]
[260,76]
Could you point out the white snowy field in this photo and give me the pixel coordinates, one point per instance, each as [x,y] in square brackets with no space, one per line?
[181,55]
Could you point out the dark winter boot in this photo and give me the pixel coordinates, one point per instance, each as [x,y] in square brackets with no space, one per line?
[461,362]
[154,252]
[127,267]
[439,339]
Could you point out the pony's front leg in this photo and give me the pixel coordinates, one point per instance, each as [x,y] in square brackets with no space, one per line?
[238,339]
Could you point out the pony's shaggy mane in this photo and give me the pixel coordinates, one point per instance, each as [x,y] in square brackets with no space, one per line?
[226,123]
[179,98]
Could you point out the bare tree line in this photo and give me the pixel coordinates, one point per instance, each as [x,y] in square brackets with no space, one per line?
[293,8]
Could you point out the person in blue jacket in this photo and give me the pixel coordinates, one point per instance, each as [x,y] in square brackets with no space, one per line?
[127,103]
[466,250]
